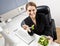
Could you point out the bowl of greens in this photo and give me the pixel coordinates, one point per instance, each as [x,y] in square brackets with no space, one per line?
[43,41]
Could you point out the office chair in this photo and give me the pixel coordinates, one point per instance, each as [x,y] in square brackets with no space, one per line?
[46,10]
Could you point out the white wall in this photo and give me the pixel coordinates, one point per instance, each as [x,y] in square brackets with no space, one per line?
[54,8]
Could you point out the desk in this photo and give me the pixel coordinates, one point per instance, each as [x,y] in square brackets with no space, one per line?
[13,40]
[34,43]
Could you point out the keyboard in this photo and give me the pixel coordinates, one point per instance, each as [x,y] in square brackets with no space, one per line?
[24,36]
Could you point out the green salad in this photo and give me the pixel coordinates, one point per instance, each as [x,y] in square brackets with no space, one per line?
[43,41]
[32,27]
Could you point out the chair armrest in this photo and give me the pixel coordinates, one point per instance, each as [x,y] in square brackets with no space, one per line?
[53,27]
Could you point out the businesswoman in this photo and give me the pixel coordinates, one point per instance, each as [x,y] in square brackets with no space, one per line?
[36,23]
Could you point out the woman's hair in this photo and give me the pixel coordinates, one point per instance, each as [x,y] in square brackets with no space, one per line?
[30,4]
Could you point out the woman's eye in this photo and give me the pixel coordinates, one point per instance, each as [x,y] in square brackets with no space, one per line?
[29,10]
[33,10]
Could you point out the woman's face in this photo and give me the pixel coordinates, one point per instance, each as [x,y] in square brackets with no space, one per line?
[31,10]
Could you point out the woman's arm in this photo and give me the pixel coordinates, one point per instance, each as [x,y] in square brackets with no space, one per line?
[48,30]
[44,20]
[26,27]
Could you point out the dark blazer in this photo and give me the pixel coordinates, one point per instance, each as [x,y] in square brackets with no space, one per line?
[42,26]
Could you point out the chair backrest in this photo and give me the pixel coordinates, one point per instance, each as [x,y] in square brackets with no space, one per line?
[45,10]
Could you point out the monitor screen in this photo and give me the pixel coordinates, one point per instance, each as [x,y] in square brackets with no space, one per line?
[7,5]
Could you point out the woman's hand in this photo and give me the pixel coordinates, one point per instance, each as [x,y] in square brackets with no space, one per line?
[26,27]
[50,39]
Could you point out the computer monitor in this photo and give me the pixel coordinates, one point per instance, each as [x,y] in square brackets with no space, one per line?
[7,5]
[9,8]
